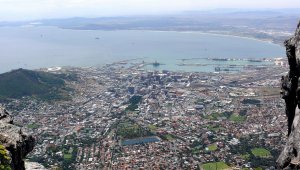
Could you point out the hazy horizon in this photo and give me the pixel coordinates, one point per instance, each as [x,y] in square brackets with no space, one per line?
[22,10]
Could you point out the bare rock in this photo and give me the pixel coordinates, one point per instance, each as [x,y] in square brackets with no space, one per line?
[290,155]
[34,166]
[17,142]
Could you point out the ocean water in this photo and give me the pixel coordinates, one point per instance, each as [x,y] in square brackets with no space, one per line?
[36,47]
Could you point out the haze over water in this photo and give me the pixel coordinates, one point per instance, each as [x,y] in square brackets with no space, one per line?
[36,47]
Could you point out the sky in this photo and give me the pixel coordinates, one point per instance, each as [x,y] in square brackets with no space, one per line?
[13,10]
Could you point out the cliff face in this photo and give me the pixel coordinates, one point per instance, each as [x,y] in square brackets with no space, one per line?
[18,143]
[290,155]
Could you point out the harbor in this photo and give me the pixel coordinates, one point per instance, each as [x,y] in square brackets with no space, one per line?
[229,65]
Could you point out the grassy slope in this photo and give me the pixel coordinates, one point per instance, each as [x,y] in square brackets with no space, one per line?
[19,83]
[215,166]
[261,152]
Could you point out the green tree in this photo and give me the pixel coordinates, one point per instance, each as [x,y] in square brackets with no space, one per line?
[4,159]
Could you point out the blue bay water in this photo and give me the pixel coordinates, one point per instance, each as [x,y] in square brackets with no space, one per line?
[36,47]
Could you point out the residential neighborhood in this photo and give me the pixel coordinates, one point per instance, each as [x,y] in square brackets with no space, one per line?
[121,116]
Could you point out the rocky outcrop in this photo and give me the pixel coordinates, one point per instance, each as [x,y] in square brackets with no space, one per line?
[290,155]
[17,142]
[34,166]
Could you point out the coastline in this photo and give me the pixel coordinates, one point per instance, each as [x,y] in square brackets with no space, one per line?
[216,34]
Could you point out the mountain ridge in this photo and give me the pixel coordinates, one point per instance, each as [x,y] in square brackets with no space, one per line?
[21,82]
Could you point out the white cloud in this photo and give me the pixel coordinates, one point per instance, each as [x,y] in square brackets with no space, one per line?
[33,9]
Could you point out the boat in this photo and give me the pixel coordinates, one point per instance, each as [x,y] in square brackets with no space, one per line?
[156,64]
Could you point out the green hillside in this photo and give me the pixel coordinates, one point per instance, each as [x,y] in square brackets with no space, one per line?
[21,82]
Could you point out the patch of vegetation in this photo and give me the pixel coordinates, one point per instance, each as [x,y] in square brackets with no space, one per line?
[131,108]
[168,137]
[243,112]
[70,153]
[32,126]
[215,166]
[261,152]
[197,146]
[214,128]
[129,130]
[152,128]
[268,91]
[212,147]
[237,118]
[259,168]
[251,101]
[42,85]
[213,116]
[216,116]
[69,150]
[135,99]
[227,114]
[246,156]
[196,150]
[241,117]
[248,147]
[68,76]
[199,101]
[133,103]
[4,159]
[67,156]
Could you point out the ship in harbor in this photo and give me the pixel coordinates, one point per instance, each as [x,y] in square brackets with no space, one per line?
[254,60]
[156,64]
[220,59]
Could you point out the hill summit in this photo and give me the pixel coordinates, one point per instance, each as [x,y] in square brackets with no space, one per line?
[21,82]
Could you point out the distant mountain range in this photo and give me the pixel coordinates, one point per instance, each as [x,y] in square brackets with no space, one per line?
[271,25]
[20,83]
[281,20]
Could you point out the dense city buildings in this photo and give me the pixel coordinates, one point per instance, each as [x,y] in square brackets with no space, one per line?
[121,116]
